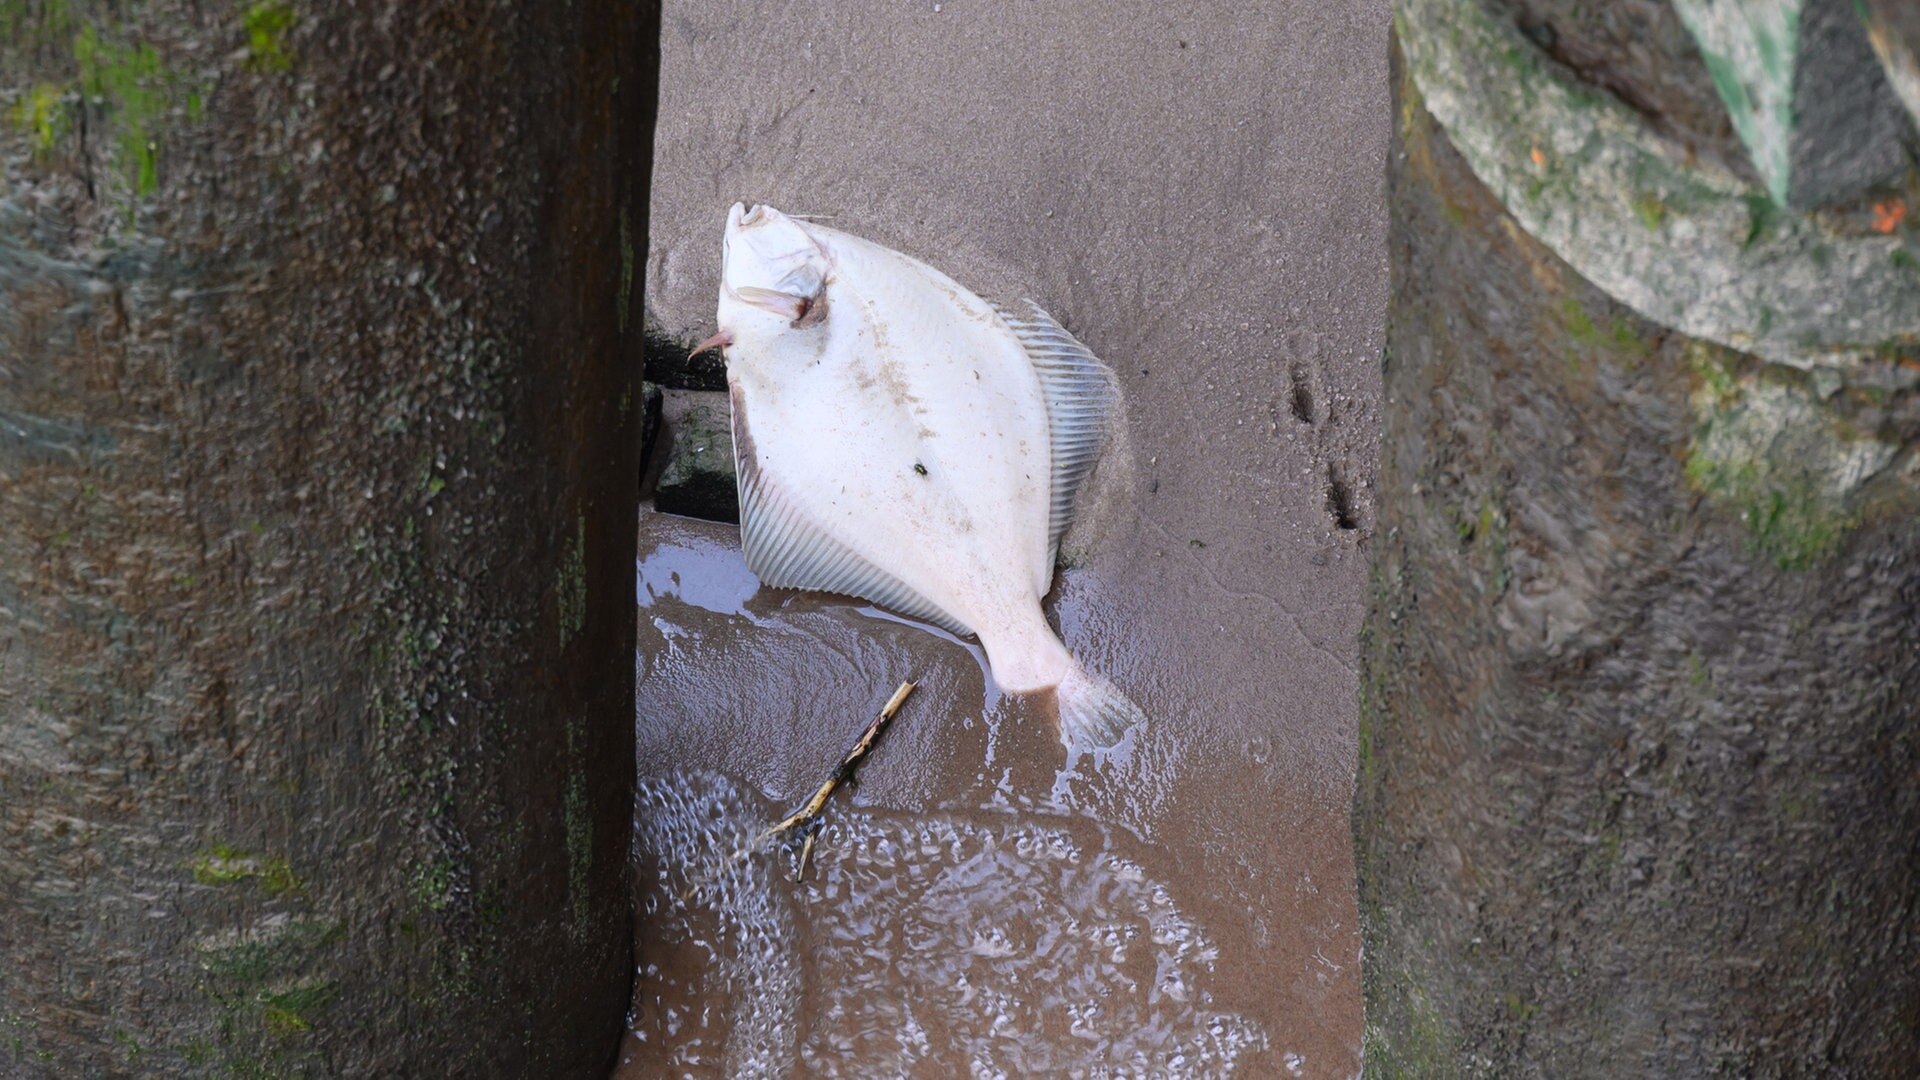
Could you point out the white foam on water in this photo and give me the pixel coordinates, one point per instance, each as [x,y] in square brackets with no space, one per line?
[918,945]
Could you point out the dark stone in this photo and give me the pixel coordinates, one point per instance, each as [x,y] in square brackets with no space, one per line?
[698,479]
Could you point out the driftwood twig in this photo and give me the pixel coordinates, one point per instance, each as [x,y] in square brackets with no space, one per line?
[806,820]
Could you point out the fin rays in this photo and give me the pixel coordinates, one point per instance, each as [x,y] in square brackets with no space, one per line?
[787,551]
[1080,396]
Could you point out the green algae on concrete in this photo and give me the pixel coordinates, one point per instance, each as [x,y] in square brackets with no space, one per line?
[1767,449]
[42,111]
[288,1009]
[267,24]
[224,864]
[275,947]
[136,88]
[32,24]
[295,734]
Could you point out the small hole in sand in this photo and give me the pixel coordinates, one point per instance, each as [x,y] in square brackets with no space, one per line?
[1302,396]
[1340,501]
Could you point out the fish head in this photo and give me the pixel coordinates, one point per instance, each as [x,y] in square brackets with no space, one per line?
[774,277]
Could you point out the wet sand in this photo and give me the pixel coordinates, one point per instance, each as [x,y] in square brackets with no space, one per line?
[1197,193]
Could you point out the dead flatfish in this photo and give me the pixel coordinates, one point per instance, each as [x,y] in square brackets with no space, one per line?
[901,440]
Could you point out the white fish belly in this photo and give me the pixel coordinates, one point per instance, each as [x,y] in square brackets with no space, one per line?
[917,437]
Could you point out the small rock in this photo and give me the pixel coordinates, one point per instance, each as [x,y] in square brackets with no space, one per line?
[698,480]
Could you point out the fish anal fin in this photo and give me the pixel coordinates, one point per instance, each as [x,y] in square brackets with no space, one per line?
[788,550]
[1081,397]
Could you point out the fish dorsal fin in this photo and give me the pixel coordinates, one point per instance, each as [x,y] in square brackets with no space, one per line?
[787,550]
[1080,395]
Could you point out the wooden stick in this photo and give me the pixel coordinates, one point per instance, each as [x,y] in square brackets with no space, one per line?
[806,854]
[807,817]
[841,773]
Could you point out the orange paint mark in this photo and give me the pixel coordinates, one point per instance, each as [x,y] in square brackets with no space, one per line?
[1887,215]
[1539,159]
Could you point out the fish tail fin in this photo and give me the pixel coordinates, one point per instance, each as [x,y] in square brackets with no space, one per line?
[1094,714]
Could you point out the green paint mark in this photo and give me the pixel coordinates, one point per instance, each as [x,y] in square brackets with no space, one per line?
[268,23]
[1749,50]
[226,865]
[42,113]
[571,589]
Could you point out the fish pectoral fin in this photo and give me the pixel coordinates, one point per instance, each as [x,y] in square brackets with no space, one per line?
[1082,397]
[787,549]
[786,305]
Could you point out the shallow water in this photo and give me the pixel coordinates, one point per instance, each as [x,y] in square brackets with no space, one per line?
[985,945]
[977,905]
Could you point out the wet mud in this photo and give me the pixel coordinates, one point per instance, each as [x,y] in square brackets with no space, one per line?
[978,905]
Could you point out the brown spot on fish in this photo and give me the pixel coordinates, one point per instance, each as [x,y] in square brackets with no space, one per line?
[895,381]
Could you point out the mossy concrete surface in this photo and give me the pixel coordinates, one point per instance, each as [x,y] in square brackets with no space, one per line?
[1683,241]
[1638,716]
[317,445]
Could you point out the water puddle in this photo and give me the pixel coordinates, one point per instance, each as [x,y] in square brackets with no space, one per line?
[931,945]
[979,904]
